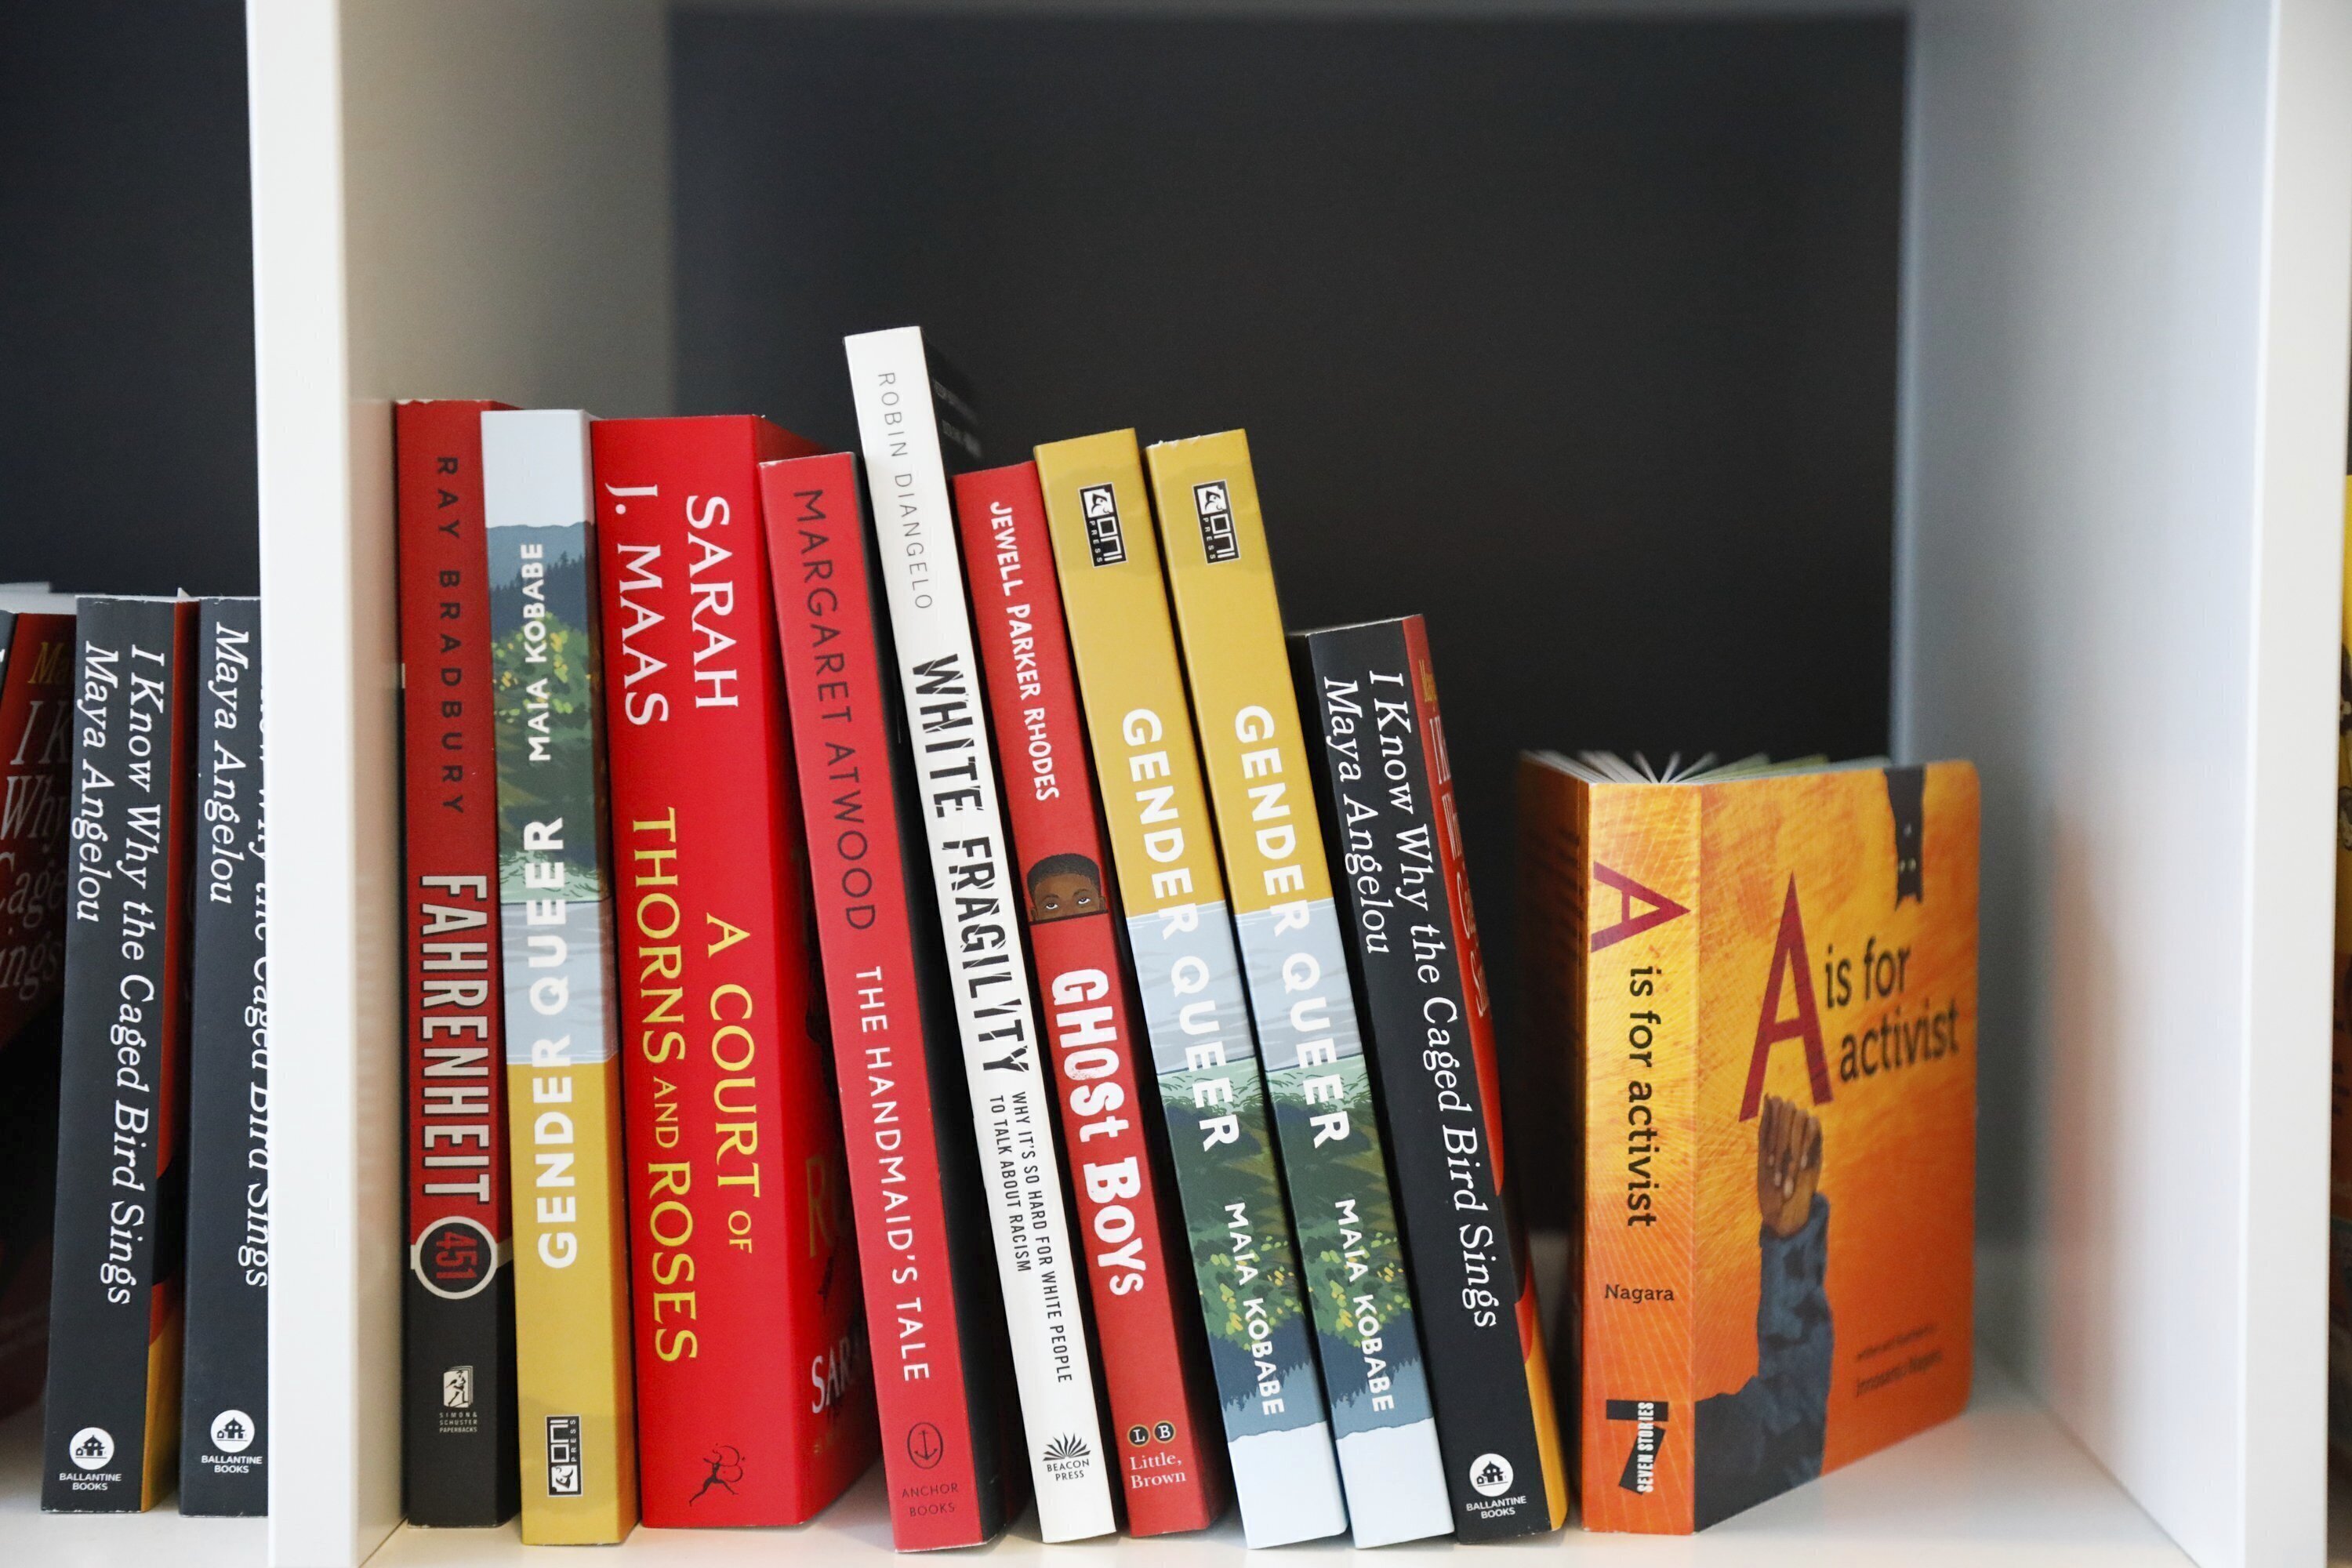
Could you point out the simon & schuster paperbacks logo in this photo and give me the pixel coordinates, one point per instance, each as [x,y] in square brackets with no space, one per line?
[1105,542]
[1213,502]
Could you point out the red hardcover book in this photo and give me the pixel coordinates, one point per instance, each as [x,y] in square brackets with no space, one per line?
[1167,1436]
[753,1403]
[930,1288]
[458,1391]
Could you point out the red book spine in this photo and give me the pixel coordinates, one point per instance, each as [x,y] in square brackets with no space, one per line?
[1164,1424]
[35,789]
[457,1380]
[938,1446]
[752,1364]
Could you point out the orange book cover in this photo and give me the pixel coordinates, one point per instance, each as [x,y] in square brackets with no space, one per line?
[1772,991]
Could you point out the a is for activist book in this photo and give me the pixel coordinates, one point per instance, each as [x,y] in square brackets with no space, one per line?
[458,1461]
[1773,988]
[1386,788]
[935,1317]
[1146,1319]
[112,1423]
[1295,954]
[907,430]
[35,790]
[225,1410]
[578,1425]
[1204,1054]
[752,1400]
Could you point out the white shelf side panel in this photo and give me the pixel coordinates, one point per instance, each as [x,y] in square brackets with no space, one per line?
[450,197]
[2118,556]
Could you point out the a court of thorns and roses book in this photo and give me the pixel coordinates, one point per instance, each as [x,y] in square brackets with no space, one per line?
[1767,981]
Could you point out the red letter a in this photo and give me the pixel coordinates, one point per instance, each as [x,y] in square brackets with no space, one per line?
[1787,958]
[1659,909]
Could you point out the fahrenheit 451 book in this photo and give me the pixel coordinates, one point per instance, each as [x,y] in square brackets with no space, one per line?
[1772,1007]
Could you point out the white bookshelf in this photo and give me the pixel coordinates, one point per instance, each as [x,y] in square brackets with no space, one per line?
[2128,253]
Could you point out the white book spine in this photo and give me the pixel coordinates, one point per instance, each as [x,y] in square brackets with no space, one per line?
[979,900]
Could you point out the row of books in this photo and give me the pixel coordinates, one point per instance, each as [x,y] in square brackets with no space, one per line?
[134,1233]
[957,1045]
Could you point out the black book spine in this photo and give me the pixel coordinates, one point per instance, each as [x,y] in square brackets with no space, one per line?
[224,1431]
[114,1300]
[1380,817]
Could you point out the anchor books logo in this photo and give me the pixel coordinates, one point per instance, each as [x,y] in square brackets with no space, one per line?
[1649,1419]
[1099,507]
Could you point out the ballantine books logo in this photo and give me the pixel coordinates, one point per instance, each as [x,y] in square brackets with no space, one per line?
[1649,1419]
[1218,541]
[1067,1458]
[1099,507]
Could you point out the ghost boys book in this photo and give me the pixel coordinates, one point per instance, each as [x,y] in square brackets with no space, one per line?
[905,427]
[112,1415]
[1772,991]
[1389,818]
[1295,954]
[1170,1468]
[1204,1056]
[555,909]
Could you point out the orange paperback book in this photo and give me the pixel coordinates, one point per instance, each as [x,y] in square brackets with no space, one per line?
[1770,997]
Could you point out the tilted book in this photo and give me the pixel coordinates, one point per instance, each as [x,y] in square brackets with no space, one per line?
[752,1402]
[903,435]
[1154,1364]
[224,1426]
[35,789]
[936,1322]
[1295,954]
[555,911]
[1773,986]
[458,1440]
[1204,1055]
[1388,821]
[110,1436]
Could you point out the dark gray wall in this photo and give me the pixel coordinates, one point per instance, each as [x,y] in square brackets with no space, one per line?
[1577,337]
[126,297]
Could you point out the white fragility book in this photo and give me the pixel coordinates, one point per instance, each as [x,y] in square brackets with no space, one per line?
[1012,1094]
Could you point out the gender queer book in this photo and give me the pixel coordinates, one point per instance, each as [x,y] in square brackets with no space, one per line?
[458,1444]
[1772,1000]
[752,1405]
[574,1396]
[111,1414]
[225,1425]
[1204,1055]
[1390,821]
[1295,953]
[1154,1364]
[906,435]
[935,1315]
[36,667]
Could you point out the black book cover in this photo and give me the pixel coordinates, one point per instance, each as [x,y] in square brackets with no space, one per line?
[224,1430]
[115,1294]
[1381,823]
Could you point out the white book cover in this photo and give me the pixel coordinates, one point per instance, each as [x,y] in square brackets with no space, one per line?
[1012,1092]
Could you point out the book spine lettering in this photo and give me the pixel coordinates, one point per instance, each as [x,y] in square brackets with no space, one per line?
[578,1427]
[1293,949]
[1187,974]
[927,1301]
[458,1440]
[111,1425]
[1173,1472]
[972,875]
[1640,1048]
[224,1432]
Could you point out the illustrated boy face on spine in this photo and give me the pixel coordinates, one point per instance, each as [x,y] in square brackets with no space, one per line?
[1064,887]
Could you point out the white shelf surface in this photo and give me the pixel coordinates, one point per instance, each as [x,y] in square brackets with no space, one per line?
[162,1536]
[2003,1484]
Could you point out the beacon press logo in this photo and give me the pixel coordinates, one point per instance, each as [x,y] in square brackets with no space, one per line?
[1099,507]
[1213,502]
[1069,1458]
[1649,1419]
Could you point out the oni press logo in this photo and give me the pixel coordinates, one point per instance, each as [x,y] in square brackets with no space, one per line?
[1099,508]
[564,1455]
[1214,503]
[1649,1419]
